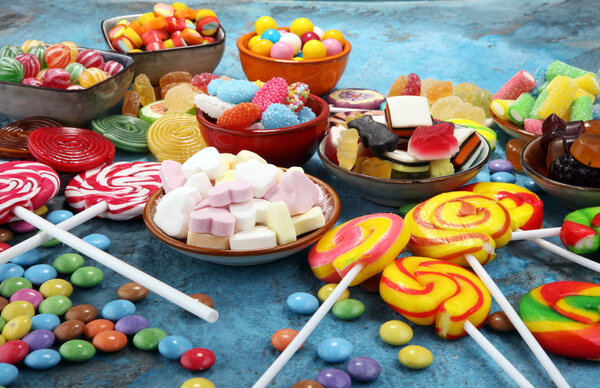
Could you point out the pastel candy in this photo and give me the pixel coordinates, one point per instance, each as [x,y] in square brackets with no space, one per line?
[245,215]
[229,160]
[212,220]
[280,221]
[206,160]
[207,240]
[229,175]
[235,191]
[245,155]
[171,175]
[261,207]
[200,182]
[259,237]
[309,221]
[261,176]
[173,211]
[296,190]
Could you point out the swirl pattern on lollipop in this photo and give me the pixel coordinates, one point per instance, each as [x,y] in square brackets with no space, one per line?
[13,137]
[428,291]
[26,184]
[176,137]
[451,225]
[564,317]
[125,186]
[374,240]
[70,149]
[126,132]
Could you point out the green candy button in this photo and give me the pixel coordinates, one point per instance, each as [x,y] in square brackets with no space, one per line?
[50,243]
[148,339]
[68,263]
[57,305]
[348,309]
[77,350]
[87,277]
[12,285]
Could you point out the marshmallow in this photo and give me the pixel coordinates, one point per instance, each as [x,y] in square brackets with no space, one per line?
[171,175]
[259,237]
[229,161]
[207,160]
[173,211]
[201,182]
[229,175]
[296,190]
[245,215]
[280,221]
[309,221]
[261,207]
[245,155]
[212,220]
[206,240]
[260,175]
[236,191]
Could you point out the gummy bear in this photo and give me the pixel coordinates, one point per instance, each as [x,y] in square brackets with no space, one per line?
[437,90]
[347,149]
[375,167]
[586,150]
[398,86]
[513,152]
[131,104]
[474,95]
[144,89]
[180,98]
[174,76]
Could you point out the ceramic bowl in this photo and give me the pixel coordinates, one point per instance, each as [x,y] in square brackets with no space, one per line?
[396,192]
[193,59]
[512,129]
[533,161]
[331,211]
[290,146]
[321,75]
[75,107]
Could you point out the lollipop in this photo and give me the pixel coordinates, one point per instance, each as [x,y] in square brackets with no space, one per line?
[70,149]
[564,318]
[125,132]
[175,137]
[13,137]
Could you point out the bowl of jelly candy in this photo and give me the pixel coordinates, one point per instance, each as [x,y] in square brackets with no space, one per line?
[565,161]
[312,66]
[38,79]
[194,49]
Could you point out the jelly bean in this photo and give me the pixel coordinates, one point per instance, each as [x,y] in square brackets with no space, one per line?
[39,339]
[173,346]
[204,299]
[40,273]
[327,289]
[16,308]
[5,235]
[83,312]
[27,258]
[42,359]
[77,350]
[97,326]
[302,303]
[57,305]
[28,295]
[16,328]
[415,357]
[307,384]
[282,338]
[334,378]
[500,322]
[531,185]
[87,277]
[44,322]
[118,309]
[334,349]
[131,324]
[503,177]
[132,292]
[68,263]
[8,374]
[500,165]
[58,216]
[110,341]
[197,359]
[513,152]
[12,285]
[54,287]
[3,302]
[10,270]
[50,243]
[363,369]
[148,339]
[348,309]
[13,352]
[98,240]
[198,382]
[69,330]
[395,332]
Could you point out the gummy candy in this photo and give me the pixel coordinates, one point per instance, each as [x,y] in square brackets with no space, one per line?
[538,103]
[500,107]
[235,91]
[202,80]
[144,89]
[581,108]
[557,68]
[211,105]
[453,107]
[398,86]
[374,135]
[413,86]
[436,90]
[180,98]
[589,83]
[131,104]
[347,148]
[174,76]
[474,95]
[166,88]
[274,91]
[374,167]
[440,167]
[561,92]
[513,152]
[278,116]
[519,110]
[567,169]
[306,114]
[240,116]
[555,150]
[533,126]
[522,82]
[586,150]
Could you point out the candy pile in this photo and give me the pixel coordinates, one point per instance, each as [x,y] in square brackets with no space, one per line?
[167,26]
[237,202]
[567,91]
[60,66]
[465,100]
[240,104]
[303,41]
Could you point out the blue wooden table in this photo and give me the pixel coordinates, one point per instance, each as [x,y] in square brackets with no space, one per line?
[483,42]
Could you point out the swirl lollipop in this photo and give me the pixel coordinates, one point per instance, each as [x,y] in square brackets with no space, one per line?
[126,132]
[13,137]
[70,149]
[176,137]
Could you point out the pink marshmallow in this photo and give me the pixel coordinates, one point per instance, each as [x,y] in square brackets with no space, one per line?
[230,192]
[171,175]
[297,191]
[521,82]
[533,126]
[202,204]
[212,220]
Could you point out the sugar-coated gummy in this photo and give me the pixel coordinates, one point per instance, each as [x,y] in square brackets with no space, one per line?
[278,116]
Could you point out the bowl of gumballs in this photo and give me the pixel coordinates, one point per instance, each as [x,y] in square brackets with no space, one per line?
[238,209]
[300,53]
[61,81]
[281,122]
[435,157]
[169,38]
[565,161]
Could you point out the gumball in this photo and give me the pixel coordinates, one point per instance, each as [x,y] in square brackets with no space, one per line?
[334,34]
[319,31]
[314,49]
[31,64]
[112,67]
[264,23]
[11,70]
[294,40]
[262,47]
[301,26]
[32,82]
[90,58]
[56,78]
[271,34]
[252,41]
[332,47]
[208,26]
[309,36]
[282,50]
[283,32]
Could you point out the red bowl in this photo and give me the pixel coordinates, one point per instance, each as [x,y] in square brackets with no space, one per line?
[286,147]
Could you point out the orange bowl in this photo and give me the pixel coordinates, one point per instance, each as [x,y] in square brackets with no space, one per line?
[321,75]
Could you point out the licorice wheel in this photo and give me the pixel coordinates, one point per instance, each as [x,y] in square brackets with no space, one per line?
[125,132]
[13,137]
[69,149]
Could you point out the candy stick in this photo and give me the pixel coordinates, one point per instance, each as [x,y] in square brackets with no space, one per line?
[171,294]
[533,234]
[335,109]
[574,257]
[535,347]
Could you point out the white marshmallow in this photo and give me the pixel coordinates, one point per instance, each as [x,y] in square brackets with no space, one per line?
[173,211]
[259,237]
[261,176]
[206,160]
[200,182]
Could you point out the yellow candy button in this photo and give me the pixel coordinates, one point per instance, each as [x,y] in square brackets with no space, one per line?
[327,289]
[41,210]
[415,357]
[198,382]
[16,308]
[395,332]
[2,340]
[54,287]
[17,328]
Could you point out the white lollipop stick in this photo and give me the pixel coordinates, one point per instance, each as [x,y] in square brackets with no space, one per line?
[38,239]
[335,109]
[535,233]
[308,328]
[498,357]
[512,315]
[171,294]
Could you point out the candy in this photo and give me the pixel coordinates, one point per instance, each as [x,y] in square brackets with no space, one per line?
[17,308]
[87,277]
[279,221]
[415,357]
[334,349]
[68,263]
[567,169]
[407,112]
[363,369]
[216,221]
[16,328]
[296,190]
[132,291]
[348,309]
[57,56]
[434,89]
[109,341]
[56,78]
[581,108]
[28,295]
[226,193]
[240,116]
[533,126]
[28,258]
[175,136]
[412,87]
[500,108]
[538,103]
[312,219]
[75,69]
[44,321]
[83,312]
[332,378]
[11,70]
[558,68]
[314,49]
[40,273]
[72,48]
[148,339]
[282,338]
[30,43]
[173,347]
[204,299]
[55,287]
[90,58]
[5,235]
[142,86]
[92,76]
[374,135]
[131,103]
[93,328]
[77,350]
[131,324]
[519,110]
[561,92]
[513,152]
[173,211]
[197,359]
[235,91]
[212,106]
[56,304]
[39,51]
[69,330]
[521,82]
[111,67]
[125,132]
[31,64]
[258,237]
[118,309]
[580,231]
[42,359]
[274,91]
[261,176]
[302,303]
[499,321]
[10,51]
[197,382]
[278,116]
[395,332]
[100,241]
[474,95]
[206,160]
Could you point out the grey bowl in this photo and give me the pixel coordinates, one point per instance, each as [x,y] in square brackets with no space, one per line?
[396,192]
[193,59]
[73,108]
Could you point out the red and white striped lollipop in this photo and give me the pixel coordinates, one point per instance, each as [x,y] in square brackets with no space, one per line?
[124,186]
[26,184]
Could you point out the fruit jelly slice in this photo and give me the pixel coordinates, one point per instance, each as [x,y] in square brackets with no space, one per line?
[438,90]
[376,167]
[413,86]
[131,104]
[144,88]
[398,86]
[180,98]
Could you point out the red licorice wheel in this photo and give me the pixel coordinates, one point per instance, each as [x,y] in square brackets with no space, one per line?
[70,149]
[13,137]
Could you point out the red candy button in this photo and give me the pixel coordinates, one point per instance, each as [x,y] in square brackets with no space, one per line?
[197,359]
[4,246]
[13,352]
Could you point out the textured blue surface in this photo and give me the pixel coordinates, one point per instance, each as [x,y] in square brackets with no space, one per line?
[483,42]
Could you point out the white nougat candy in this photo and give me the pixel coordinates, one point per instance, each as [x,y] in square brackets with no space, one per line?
[408,111]
[259,237]
[207,160]
[260,175]
[173,211]
[200,182]
[309,221]
[280,221]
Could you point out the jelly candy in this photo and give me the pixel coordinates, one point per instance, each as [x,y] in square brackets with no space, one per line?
[174,76]
[413,86]
[180,98]
[555,150]
[581,108]
[586,150]
[538,103]
[375,167]
[398,86]
[347,148]
[519,83]
[500,107]
[374,135]
[164,90]
[561,92]
[131,104]
[440,167]
[558,68]
[513,152]
[437,90]
[519,110]
[589,83]
[567,169]
[475,96]
[144,89]
[451,107]
[592,126]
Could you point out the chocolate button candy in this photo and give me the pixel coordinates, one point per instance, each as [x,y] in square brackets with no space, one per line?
[69,330]
[500,322]
[5,235]
[3,302]
[132,291]
[77,350]
[83,312]
[204,299]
